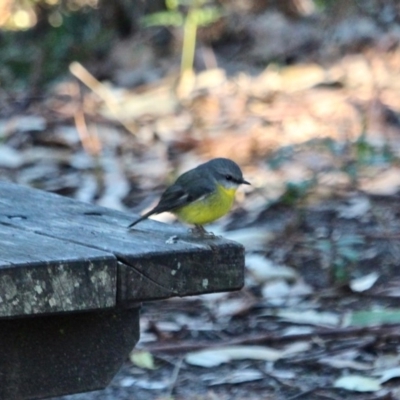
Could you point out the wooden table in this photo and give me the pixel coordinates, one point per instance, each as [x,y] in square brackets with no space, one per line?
[72,278]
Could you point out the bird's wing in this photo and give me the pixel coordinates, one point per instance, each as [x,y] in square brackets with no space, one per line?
[172,198]
[182,193]
[189,187]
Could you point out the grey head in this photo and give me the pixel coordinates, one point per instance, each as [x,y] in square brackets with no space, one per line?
[225,172]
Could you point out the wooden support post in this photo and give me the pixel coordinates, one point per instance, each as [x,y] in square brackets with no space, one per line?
[53,355]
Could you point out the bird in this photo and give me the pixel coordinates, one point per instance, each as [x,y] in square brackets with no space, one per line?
[202,194]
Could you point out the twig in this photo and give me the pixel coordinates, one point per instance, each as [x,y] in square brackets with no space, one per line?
[90,140]
[173,348]
[80,72]
[383,236]
[302,394]
[313,390]
[174,377]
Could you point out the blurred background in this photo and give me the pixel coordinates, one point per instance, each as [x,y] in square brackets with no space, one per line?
[108,101]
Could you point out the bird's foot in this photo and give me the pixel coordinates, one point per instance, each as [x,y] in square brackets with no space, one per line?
[199,231]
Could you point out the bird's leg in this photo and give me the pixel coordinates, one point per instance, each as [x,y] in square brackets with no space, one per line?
[200,231]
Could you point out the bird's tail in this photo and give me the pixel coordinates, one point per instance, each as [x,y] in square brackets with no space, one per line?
[140,219]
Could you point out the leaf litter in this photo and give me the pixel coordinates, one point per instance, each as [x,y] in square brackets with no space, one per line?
[320,224]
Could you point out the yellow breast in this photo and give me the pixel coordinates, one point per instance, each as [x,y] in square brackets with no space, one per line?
[208,209]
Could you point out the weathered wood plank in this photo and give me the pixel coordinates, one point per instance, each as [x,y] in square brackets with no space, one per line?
[39,274]
[194,272]
[151,264]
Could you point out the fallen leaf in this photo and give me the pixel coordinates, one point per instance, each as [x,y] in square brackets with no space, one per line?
[27,123]
[10,158]
[128,106]
[389,374]
[231,307]
[386,183]
[363,283]
[280,292]
[263,269]
[390,289]
[309,317]
[276,292]
[357,208]
[357,383]
[372,318]
[210,78]
[252,239]
[126,382]
[341,363]
[217,356]
[235,377]
[149,384]
[296,348]
[142,359]
[297,330]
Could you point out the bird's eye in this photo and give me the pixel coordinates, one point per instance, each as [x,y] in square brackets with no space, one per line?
[228,177]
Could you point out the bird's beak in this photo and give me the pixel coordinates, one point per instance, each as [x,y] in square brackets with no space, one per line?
[245,182]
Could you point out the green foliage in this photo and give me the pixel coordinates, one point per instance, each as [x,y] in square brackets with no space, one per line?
[164,18]
[324,4]
[49,52]
[363,153]
[174,17]
[188,14]
[15,64]
[281,156]
[374,317]
[295,192]
[366,153]
[342,252]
